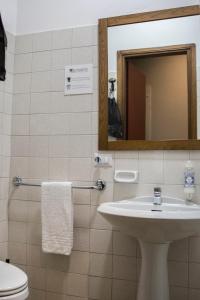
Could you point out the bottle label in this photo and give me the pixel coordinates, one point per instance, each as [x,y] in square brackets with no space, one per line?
[189,181]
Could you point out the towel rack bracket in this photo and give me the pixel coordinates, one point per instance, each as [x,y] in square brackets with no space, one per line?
[100,185]
[17,181]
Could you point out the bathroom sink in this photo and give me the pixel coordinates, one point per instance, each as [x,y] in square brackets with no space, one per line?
[155,226]
[139,217]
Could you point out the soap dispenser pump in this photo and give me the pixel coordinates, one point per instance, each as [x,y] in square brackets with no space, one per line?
[189,182]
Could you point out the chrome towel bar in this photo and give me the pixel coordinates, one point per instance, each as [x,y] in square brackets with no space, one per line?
[100,185]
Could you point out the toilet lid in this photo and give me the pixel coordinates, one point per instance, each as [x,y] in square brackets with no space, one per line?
[12,278]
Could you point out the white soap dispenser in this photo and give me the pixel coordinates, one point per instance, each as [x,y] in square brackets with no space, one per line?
[189,182]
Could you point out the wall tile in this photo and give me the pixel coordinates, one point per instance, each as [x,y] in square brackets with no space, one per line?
[21,103]
[41,61]
[9,83]
[34,233]
[174,171]
[86,146]
[17,253]
[81,239]
[59,146]
[57,80]
[40,102]
[194,271]
[177,293]
[194,249]
[39,124]
[124,267]
[11,42]
[83,36]
[97,221]
[10,61]
[176,155]
[55,281]
[82,216]
[83,55]
[194,294]
[123,290]
[24,43]
[22,83]
[151,171]
[124,245]
[80,169]
[18,211]
[20,145]
[101,241]
[178,250]
[100,288]
[81,196]
[79,262]
[61,58]
[8,99]
[38,146]
[59,124]
[59,169]
[101,265]
[34,212]
[41,81]
[36,277]
[42,41]
[80,123]
[126,164]
[73,103]
[37,294]
[62,39]
[19,167]
[38,167]
[35,257]
[23,63]
[178,274]
[76,285]
[17,232]
[151,154]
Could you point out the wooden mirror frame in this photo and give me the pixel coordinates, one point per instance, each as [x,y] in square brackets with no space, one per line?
[104,144]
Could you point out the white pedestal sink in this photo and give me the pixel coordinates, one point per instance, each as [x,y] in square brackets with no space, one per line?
[155,226]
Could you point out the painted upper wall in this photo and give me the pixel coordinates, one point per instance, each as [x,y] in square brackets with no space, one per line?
[8,9]
[44,15]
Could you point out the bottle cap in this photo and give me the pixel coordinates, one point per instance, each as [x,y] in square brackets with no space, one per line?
[189,164]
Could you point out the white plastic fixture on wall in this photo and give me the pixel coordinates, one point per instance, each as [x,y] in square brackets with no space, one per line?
[126,176]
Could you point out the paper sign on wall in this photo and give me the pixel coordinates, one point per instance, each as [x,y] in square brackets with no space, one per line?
[79,79]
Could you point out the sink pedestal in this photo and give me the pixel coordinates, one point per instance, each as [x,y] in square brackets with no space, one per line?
[153,284]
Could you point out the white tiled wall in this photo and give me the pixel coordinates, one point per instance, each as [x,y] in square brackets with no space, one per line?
[6,96]
[54,138]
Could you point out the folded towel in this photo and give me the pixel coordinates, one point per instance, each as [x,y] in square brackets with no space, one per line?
[57,217]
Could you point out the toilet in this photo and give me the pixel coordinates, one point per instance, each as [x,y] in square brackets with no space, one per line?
[13,283]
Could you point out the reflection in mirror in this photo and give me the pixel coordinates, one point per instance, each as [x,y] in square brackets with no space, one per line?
[151,72]
[153,96]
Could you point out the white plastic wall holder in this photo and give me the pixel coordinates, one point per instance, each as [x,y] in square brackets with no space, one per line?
[126,176]
[103,160]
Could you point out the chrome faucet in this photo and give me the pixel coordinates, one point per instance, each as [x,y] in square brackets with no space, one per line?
[157,199]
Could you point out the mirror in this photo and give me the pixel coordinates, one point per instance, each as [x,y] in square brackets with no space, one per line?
[148,87]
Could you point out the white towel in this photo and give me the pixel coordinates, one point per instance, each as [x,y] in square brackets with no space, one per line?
[57,217]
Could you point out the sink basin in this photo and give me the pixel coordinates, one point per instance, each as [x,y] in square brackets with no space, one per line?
[139,217]
[155,227]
